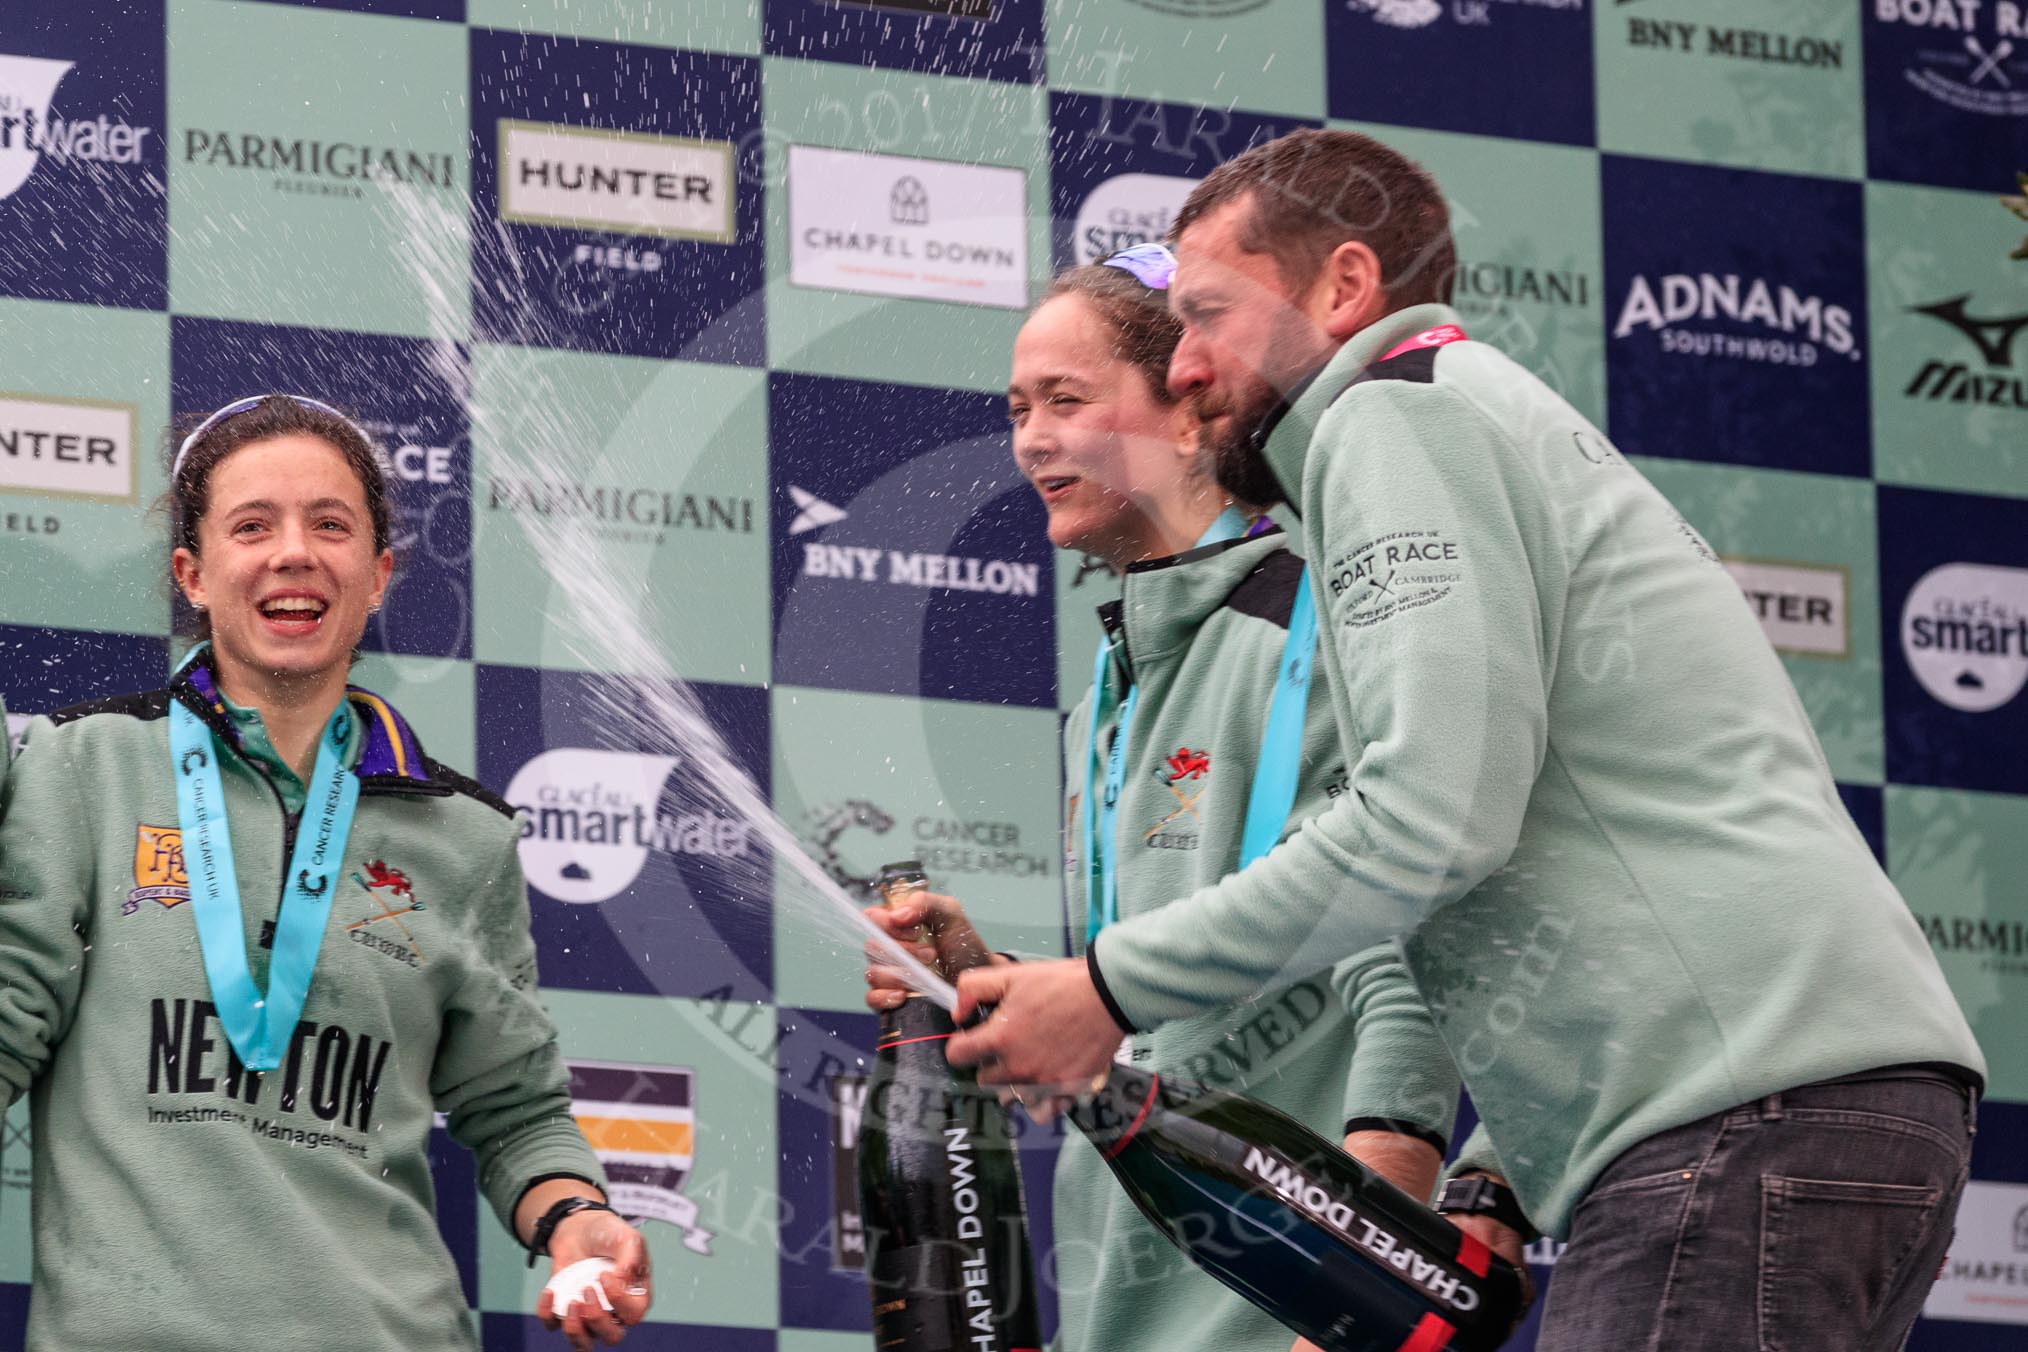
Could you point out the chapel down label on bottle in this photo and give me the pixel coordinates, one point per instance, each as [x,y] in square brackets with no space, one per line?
[947,1257]
[1293,1223]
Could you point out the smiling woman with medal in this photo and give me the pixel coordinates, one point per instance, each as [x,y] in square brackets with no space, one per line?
[252,938]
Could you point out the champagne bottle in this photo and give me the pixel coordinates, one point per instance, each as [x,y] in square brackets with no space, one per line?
[947,1256]
[1293,1223]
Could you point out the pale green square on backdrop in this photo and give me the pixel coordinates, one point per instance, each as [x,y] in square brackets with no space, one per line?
[298,247]
[865,780]
[1815,521]
[435,695]
[659,456]
[1736,82]
[1269,59]
[732,1177]
[92,562]
[1959,859]
[864,337]
[1927,247]
[1531,277]
[811,1340]
[698,25]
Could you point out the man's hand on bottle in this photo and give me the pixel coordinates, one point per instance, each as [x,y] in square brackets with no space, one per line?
[1049,1030]
[936,932]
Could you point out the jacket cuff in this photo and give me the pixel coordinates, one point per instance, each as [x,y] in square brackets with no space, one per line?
[1399,1128]
[1098,981]
[551,1148]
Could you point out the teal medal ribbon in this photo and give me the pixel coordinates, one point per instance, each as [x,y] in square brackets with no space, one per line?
[260,1026]
[1274,780]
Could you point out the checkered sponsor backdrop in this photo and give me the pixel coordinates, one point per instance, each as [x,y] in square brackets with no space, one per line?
[767,260]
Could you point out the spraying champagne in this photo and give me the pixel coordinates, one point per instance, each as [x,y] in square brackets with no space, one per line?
[940,1190]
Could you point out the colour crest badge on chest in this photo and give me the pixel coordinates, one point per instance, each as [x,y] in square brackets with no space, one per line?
[158,868]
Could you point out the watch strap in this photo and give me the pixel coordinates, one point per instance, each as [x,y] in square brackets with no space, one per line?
[538,1239]
[1477,1195]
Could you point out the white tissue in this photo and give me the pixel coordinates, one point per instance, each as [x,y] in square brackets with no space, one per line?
[569,1284]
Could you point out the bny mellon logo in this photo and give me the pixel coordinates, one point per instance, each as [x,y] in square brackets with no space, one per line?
[812,512]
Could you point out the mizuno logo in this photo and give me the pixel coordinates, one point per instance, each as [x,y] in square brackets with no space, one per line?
[1993,337]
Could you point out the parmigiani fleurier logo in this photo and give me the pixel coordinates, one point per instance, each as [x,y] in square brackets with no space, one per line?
[1964,630]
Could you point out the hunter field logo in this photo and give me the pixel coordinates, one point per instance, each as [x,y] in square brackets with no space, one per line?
[864,223]
[1697,315]
[1972,55]
[31,130]
[158,867]
[1957,381]
[1801,607]
[590,818]
[1964,630]
[632,183]
[1126,210]
[642,1123]
[67,447]
[391,896]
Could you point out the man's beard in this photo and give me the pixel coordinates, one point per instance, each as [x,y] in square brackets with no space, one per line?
[1235,444]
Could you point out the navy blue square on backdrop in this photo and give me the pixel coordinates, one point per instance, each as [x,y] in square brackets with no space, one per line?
[824,1067]
[43,670]
[1119,169]
[978,39]
[1868,813]
[640,878]
[83,200]
[1736,317]
[1486,66]
[403,391]
[1947,92]
[616,198]
[1954,627]
[909,554]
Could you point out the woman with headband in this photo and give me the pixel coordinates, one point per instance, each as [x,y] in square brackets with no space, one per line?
[252,938]
[1200,745]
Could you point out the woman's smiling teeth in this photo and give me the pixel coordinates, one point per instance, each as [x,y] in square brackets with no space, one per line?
[293,610]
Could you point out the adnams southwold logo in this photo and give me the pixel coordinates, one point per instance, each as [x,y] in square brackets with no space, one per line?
[1126,210]
[1972,54]
[632,183]
[33,132]
[67,447]
[1964,630]
[1423,13]
[1996,383]
[1727,315]
[902,568]
[590,818]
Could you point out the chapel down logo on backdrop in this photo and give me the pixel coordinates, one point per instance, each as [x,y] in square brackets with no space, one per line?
[1985,1278]
[589,820]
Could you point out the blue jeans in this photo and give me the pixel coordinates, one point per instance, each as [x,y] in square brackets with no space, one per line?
[1812,1220]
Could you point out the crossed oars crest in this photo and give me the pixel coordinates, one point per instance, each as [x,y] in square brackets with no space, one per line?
[378,877]
[1185,764]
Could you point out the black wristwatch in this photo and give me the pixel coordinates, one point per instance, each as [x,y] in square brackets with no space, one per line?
[1477,1195]
[538,1240]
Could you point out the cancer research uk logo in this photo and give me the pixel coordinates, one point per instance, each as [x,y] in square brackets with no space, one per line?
[589,820]
[32,131]
[1964,630]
